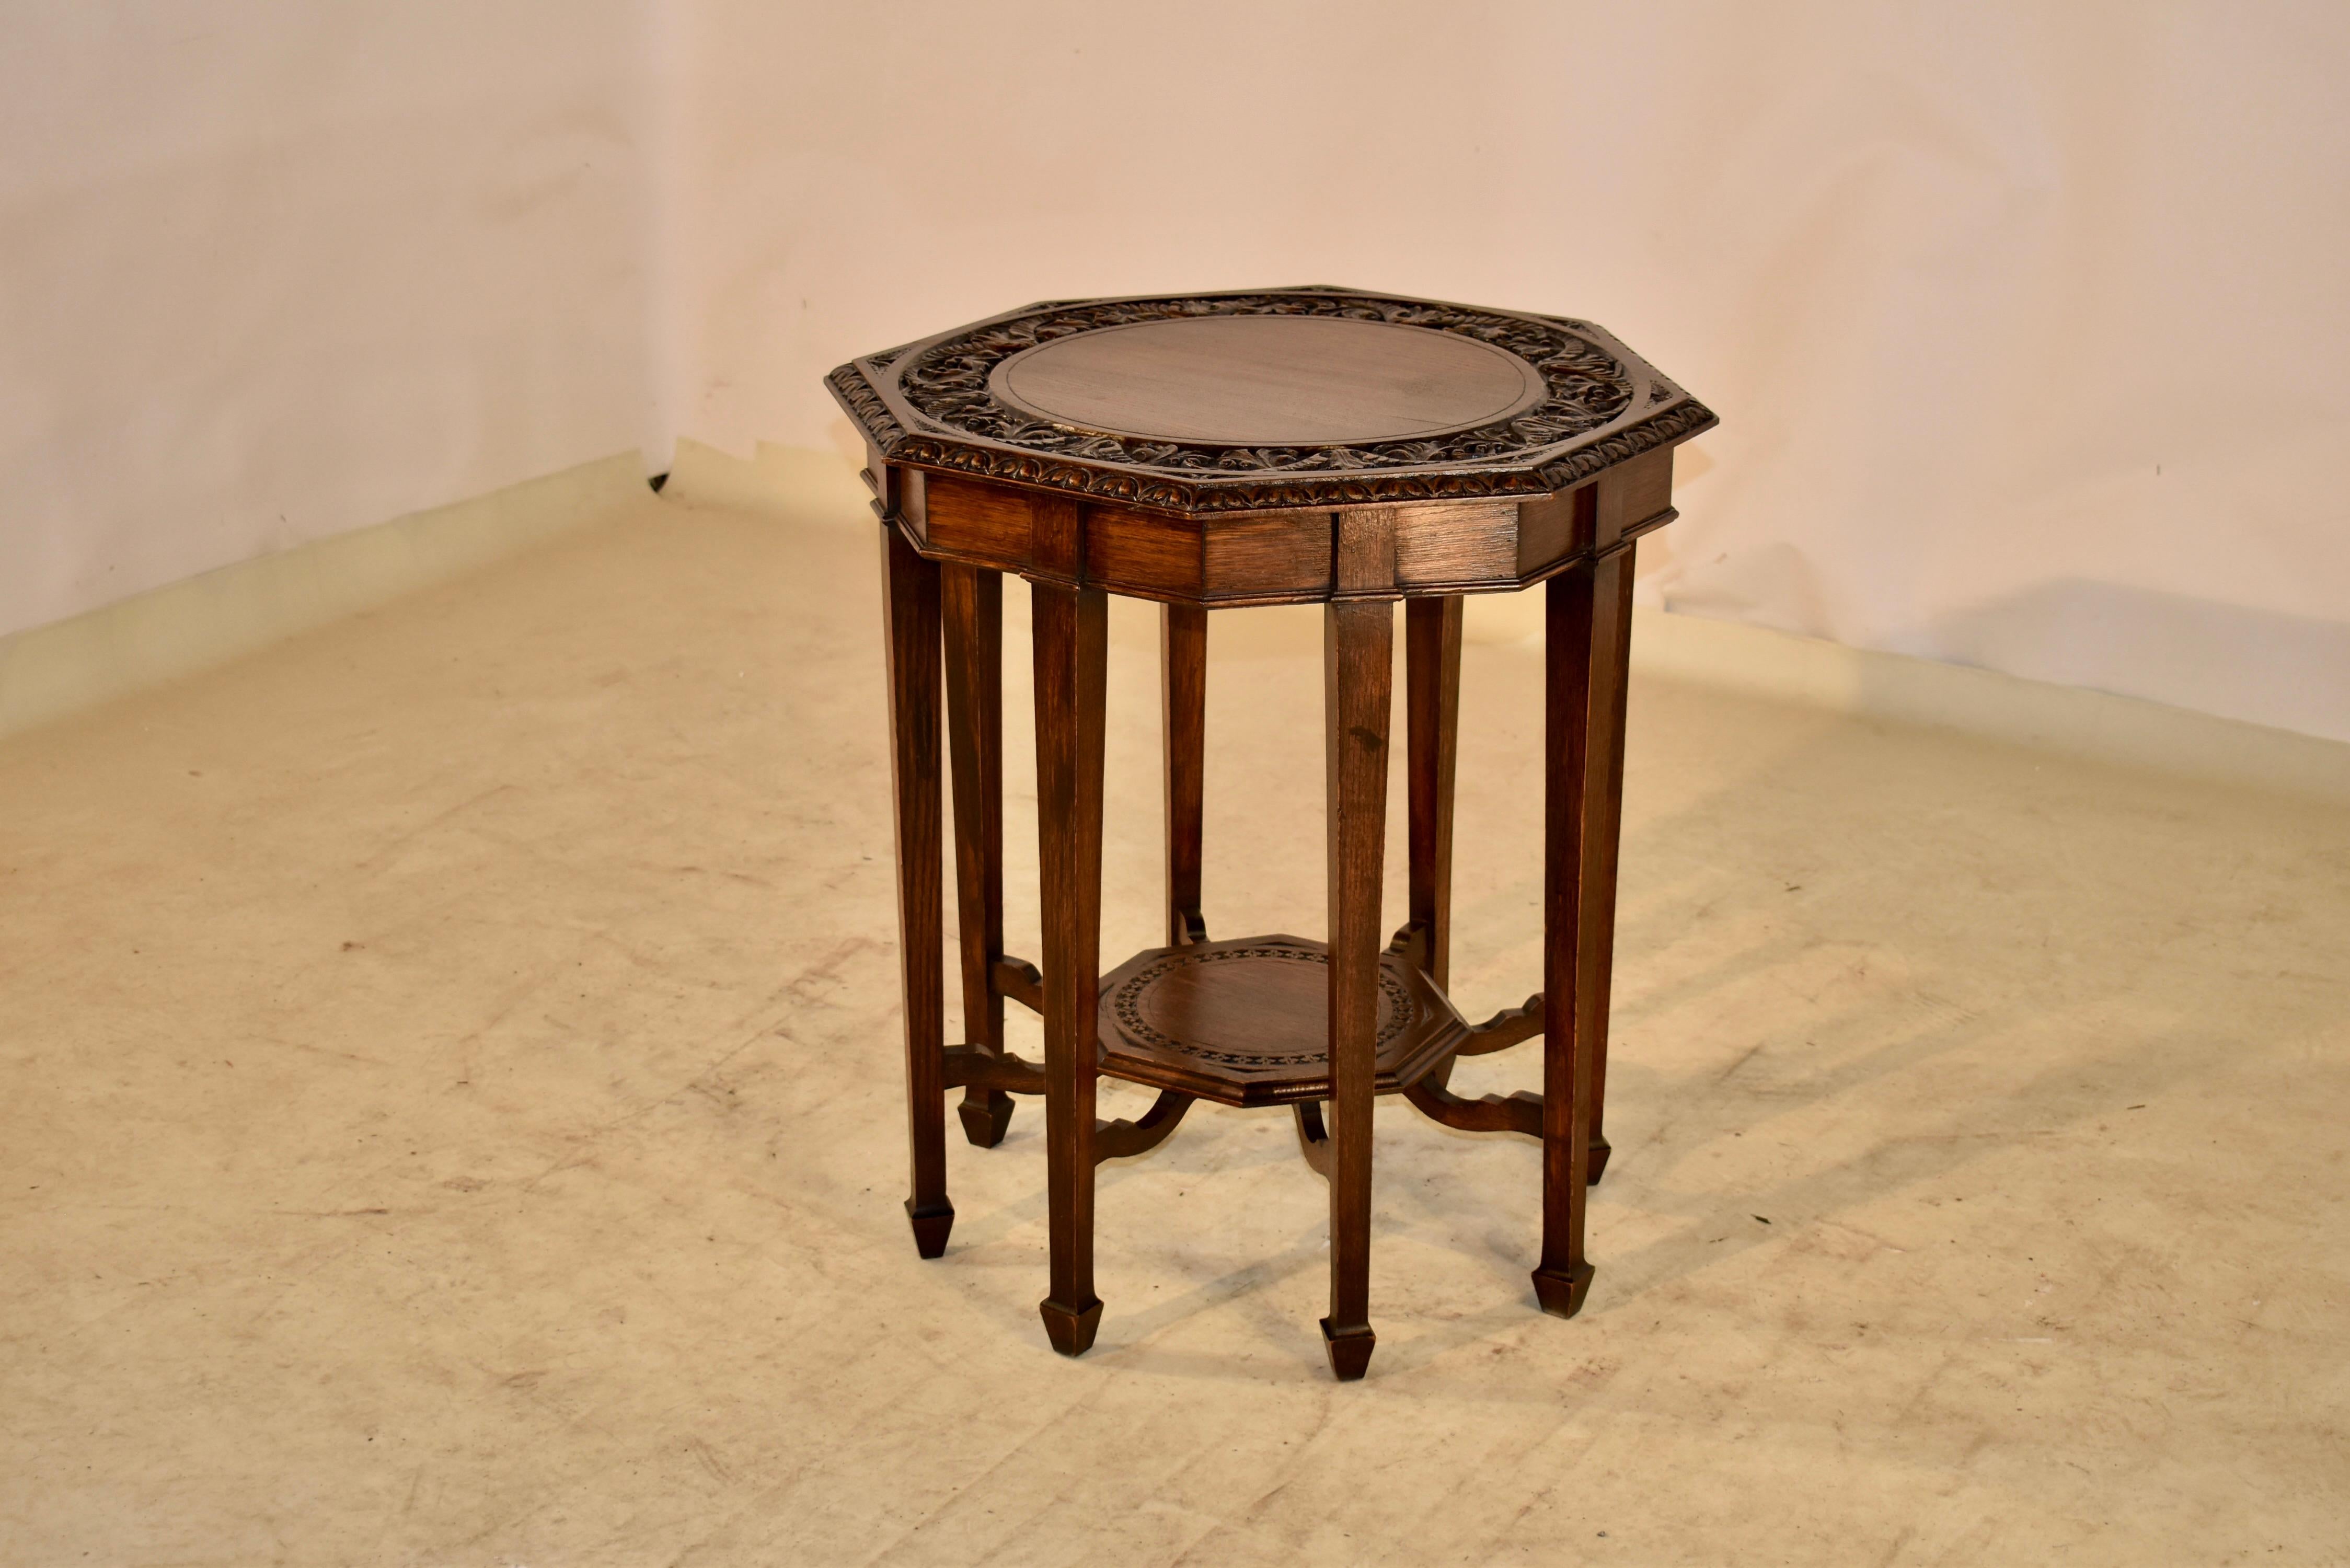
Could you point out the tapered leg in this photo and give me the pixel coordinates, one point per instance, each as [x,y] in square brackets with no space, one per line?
[1603,912]
[1583,726]
[1072,654]
[1433,727]
[972,606]
[1358,646]
[1183,670]
[910,632]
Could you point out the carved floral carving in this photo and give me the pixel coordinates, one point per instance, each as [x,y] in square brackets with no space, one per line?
[929,405]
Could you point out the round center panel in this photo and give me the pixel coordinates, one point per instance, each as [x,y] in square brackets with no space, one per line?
[1268,381]
[1245,1005]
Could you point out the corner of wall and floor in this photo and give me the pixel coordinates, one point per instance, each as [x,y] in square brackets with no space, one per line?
[50,672]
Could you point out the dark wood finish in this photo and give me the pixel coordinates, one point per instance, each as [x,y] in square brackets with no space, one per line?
[1601,960]
[1056,541]
[911,631]
[1281,558]
[1281,446]
[1233,559]
[1268,381]
[972,611]
[1313,1136]
[1072,647]
[1466,545]
[1557,529]
[1143,553]
[940,405]
[1432,732]
[1363,557]
[1017,979]
[1183,712]
[1358,661]
[1121,1139]
[1506,1028]
[987,525]
[968,1066]
[1511,1026]
[1583,698]
[1517,1113]
[1641,492]
[1246,1021]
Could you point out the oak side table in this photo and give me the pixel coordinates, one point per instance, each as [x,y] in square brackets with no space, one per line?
[1279,446]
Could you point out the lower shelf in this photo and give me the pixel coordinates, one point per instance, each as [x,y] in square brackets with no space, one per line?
[1247,1022]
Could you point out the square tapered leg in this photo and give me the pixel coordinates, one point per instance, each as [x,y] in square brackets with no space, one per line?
[1071,632]
[971,608]
[1359,656]
[1584,683]
[911,631]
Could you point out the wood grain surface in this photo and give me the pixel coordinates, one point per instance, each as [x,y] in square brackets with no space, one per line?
[1268,381]
[1246,1021]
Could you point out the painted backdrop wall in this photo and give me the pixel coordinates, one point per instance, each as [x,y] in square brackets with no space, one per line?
[271,270]
[2026,322]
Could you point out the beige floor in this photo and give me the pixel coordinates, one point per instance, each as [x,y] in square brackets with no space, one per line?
[453,1117]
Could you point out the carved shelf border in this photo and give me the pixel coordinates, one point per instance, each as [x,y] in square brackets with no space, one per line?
[1127,1004]
[929,405]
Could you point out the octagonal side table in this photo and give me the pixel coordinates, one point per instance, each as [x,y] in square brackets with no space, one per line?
[1284,446]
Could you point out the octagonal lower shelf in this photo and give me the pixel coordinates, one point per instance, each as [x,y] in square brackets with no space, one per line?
[1247,1022]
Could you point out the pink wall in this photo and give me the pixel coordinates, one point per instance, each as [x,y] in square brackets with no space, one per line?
[272,270]
[2026,321]
[1960,280]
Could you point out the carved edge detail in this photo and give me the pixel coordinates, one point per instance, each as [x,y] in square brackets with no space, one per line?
[1601,450]
[855,395]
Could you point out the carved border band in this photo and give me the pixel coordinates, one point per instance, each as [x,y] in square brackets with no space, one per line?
[928,405]
[1126,1005]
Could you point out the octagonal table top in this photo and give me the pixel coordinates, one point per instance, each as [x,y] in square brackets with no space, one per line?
[1268,398]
